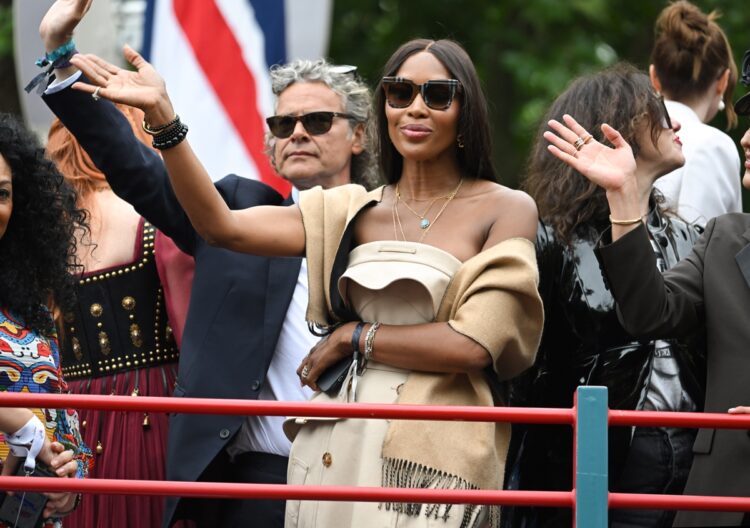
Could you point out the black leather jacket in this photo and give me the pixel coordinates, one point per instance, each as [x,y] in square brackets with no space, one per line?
[584,344]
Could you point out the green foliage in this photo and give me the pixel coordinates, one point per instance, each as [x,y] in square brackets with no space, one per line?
[526,51]
[6,31]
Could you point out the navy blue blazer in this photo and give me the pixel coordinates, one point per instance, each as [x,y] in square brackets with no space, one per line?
[238,301]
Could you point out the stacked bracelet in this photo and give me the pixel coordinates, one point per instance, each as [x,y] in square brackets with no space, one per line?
[370,341]
[153,130]
[169,135]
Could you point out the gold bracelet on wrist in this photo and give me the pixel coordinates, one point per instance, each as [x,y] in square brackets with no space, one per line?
[625,222]
[153,130]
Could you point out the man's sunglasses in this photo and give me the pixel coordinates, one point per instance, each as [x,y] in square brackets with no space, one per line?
[315,123]
[437,94]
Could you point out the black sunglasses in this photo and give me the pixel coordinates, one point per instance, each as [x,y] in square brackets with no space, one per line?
[437,94]
[742,106]
[666,121]
[315,123]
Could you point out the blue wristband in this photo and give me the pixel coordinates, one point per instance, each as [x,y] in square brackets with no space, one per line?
[62,51]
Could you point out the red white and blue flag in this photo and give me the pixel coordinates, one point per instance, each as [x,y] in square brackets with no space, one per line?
[214,56]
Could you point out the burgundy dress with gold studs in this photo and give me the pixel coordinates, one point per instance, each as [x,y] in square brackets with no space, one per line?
[118,341]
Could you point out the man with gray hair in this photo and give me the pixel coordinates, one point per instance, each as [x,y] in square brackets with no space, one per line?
[245,332]
[306,155]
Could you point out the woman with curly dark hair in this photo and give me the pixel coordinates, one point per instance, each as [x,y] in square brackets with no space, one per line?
[583,343]
[38,220]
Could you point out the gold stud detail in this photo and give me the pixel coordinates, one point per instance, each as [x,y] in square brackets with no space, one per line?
[128,303]
[104,343]
[96,310]
[327,459]
[135,335]
[76,348]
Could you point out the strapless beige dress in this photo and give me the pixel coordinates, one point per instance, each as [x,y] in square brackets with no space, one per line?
[392,282]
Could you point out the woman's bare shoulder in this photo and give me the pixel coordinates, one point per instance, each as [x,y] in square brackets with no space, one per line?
[514,212]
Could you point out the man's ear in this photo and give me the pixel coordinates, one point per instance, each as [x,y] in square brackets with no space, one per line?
[358,139]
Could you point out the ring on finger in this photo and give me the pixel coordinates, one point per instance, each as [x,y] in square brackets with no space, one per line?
[95,96]
[587,139]
[305,372]
[579,143]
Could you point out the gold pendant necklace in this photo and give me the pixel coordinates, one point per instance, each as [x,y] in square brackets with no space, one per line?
[424,222]
[425,225]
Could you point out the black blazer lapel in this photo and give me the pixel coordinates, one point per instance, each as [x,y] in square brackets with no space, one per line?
[743,259]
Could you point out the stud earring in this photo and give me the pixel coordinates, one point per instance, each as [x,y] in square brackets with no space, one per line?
[460,141]
[722,105]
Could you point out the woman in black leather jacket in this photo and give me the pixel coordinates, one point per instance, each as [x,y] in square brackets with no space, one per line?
[583,342]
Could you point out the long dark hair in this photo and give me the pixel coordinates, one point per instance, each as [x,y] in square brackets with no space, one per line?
[473,122]
[37,252]
[620,96]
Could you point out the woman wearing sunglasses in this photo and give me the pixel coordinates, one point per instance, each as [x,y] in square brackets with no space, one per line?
[707,294]
[583,342]
[425,288]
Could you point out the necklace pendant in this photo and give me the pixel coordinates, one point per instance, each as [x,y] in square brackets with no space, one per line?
[424,224]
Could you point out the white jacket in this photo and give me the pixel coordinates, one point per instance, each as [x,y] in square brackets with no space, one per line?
[708,185]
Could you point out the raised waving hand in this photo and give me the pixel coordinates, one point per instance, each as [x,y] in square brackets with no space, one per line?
[610,168]
[143,88]
[614,169]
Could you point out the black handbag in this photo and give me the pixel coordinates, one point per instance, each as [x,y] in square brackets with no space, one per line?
[25,509]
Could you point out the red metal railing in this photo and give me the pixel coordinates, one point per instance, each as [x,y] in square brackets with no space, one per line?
[565,499]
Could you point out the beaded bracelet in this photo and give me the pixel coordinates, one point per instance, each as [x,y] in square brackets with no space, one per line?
[170,137]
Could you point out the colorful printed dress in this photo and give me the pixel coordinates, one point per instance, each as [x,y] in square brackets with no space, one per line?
[30,362]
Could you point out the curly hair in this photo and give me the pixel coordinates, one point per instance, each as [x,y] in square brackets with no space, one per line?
[620,96]
[37,252]
[355,96]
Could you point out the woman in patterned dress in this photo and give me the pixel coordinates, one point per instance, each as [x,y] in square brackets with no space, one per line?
[38,219]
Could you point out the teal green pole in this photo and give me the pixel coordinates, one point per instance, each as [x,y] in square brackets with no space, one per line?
[591,458]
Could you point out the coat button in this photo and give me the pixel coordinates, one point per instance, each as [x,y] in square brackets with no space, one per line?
[256,385]
[224,434]
[327,459]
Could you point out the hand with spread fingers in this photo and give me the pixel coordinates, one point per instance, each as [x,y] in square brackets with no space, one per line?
[143,88]
[329,350]
[610,168]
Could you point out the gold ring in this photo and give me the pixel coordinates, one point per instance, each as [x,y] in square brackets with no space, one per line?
[587,139]
[95,96]
[579,143]
[305,372]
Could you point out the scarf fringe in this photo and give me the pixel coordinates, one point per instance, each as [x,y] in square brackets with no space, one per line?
[399,473]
